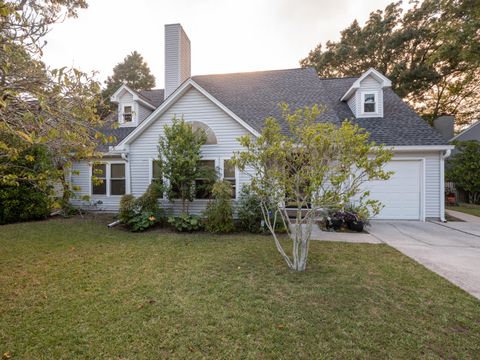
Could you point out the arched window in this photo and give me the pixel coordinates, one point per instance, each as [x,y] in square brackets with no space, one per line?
[211,138]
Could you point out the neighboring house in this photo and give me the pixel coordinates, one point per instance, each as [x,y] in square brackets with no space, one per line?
[470,133]
[445,125]
[228,106]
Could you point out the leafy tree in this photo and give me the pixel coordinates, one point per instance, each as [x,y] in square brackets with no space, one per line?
[463,168]
[133,71]
[318,166]
[179,161]
[30,198]
[54,108]
[430,52]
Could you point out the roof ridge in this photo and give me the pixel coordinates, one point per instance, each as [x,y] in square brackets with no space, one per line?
[253,72]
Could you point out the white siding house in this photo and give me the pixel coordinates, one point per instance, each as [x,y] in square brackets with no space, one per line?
[234,105]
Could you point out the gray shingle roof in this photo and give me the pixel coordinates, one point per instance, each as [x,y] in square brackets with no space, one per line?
[154,96]
[255,96]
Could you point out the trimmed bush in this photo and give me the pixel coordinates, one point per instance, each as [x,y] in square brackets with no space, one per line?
[144,212]
[249,212]
[23,203]
[219,212]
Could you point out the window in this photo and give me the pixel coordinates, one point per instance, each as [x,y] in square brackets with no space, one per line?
[211,138]
[127,114]
[369,103]
[99,185]
[156,171]
[203,184]
[229,175]
[117,179]
[109,179]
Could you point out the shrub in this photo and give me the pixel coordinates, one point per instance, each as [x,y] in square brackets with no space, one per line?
[219,212]
[31,199]
[24,202]
[185,222]
[144,212]
[249,212]
[128,208]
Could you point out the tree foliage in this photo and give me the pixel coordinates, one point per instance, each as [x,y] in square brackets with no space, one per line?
[219,212]
[179,160]
[317,166]
[463,168]
[430,52]
[133,71]
[55,108]
[30,198]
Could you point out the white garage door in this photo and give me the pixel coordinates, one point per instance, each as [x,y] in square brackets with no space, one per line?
[401,194]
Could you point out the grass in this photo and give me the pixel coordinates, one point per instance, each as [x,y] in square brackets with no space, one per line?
[466,208]
[75,289]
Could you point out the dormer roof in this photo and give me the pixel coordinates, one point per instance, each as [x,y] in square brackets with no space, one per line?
[137,96]
[382,79]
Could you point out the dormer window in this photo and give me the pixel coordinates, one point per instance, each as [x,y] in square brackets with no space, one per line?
[365,96]
[369,103]
[127,114]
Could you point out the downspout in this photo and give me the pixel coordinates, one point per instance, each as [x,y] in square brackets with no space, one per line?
[445,155]
[124,156]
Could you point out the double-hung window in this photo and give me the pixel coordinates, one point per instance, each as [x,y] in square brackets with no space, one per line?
[127,114]
[117,179]
[156,172]
[369,103]
[203,184]
[108,179]
[229,175]
[99,179]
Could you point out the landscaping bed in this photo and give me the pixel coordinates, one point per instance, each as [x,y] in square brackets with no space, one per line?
[72,288]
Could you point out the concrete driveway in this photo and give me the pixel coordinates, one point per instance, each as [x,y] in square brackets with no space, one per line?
[451,253]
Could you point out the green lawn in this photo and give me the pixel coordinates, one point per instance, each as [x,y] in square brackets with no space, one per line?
[75,289]
[467,209]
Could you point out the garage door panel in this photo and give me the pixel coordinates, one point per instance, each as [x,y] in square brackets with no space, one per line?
[401,194]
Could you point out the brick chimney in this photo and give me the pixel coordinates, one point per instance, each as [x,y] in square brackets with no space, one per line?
[177,57]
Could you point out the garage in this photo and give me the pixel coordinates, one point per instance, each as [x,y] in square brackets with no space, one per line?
[401,195]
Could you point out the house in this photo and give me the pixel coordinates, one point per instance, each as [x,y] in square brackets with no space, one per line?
[228,106]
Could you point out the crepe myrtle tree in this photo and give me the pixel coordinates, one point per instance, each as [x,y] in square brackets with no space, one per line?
[316,167]
[179,160]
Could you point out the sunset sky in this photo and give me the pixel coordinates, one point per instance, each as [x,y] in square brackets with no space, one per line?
[226,35]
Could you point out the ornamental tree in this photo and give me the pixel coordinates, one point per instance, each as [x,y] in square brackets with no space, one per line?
[179,161]
[317,166]
[463,168]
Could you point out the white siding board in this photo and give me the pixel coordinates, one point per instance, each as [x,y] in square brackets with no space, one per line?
[143,113]
[193,106]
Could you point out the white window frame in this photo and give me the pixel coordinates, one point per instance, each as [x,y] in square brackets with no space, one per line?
[108,178]
[217,166]
[121,112]
[150,175]
[362,103]
[222,173]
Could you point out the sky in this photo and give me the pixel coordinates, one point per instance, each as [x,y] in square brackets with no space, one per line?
[226,35]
